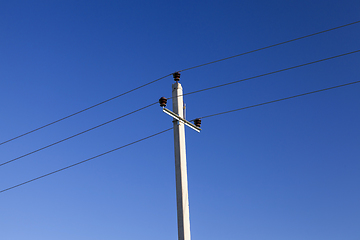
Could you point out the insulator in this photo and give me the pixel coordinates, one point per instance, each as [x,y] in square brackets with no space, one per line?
[176,76]
[197,122]
[163,101]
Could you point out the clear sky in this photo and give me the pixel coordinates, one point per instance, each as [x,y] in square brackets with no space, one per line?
[287,170]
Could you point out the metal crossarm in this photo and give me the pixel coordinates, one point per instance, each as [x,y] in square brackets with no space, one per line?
[187,123]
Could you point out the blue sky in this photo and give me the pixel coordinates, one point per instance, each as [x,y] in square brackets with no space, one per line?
[288,170]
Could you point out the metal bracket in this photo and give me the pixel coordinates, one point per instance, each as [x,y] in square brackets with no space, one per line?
[187,123]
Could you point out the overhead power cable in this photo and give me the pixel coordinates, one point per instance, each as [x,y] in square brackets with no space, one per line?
[281,99]
[186,69]
[270,46]
[270,73]
[197,91]
[75,135]
[212,115]
[86,160]
[83,110]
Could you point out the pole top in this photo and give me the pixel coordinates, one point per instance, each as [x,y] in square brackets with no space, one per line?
[176,76]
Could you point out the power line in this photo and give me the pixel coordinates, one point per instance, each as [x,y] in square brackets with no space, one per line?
[83,110]
[212,115]
[270,73]
[86,160]
[75,135]
[186,69]
[201,90]
[270,46]
[281,99]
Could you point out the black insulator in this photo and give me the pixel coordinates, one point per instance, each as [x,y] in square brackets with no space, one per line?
[197,122]
[176,76]
[163,101]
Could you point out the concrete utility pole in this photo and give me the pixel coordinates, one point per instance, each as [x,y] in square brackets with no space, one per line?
[182,198]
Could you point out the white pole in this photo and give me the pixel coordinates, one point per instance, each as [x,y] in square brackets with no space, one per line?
[182,198]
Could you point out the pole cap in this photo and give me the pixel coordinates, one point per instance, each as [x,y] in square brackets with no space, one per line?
[176,76]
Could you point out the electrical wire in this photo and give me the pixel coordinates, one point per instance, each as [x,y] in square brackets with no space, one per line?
[270,46]
[75,135]
[212,115]
[269,73]
[186,69]
[83,161]
[281,99]
[201,90]
[83,110]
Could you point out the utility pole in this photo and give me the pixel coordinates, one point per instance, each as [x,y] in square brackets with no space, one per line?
[182,198]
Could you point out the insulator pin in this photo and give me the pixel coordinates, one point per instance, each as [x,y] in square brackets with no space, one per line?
[197,122]
[176,76]
[163,101]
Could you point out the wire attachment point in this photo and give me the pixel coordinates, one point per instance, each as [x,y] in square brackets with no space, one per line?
[163,101]
[176,76]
